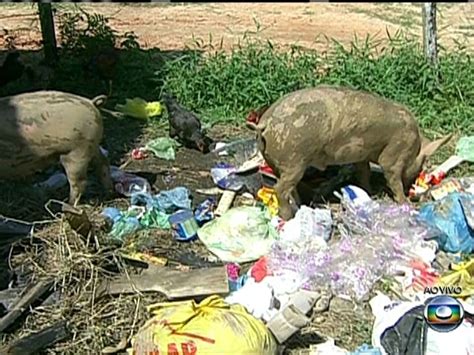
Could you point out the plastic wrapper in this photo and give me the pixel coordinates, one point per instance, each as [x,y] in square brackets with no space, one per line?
[127,184]
[451,215]
[163,148]
[166,201]
[205,211]
[375,237]
[224,177]
[242,234]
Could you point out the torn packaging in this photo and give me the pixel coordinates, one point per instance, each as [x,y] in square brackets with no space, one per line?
[330,125]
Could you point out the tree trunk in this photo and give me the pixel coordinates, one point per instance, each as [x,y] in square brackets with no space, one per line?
[430,40]
[48,33]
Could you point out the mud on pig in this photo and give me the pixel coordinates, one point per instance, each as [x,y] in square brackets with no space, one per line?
[40,128]
[330,125]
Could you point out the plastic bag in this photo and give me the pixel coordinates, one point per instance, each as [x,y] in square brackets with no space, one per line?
[168,201]
[448,216]
[307,224]
[224,177]
[465,148]
[127,184]
[462,275]
[375,238]
[240,235]
[398,327]
[211,327]
[163,148]
[139,108]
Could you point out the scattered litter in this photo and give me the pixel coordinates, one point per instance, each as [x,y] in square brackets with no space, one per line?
[211,191]
[398,326]
[139,108]
[376,237]
[445,188]
[225,203]
[127,184]
[448,216]
[307,225]
[123,225]
[260,269]
[268,197]
[210,327]
[184,225]
[163,148]
[327,348]
[224,177]
[205,211]
[462,275]
[242,234]
[55,181]
[236,281]
[147,258]
[292,316]
[168,201]
[464,152]
[366,349]
[139,154]
[465,148]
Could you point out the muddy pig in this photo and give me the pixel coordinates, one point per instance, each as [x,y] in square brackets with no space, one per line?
[40,128]
[330,125]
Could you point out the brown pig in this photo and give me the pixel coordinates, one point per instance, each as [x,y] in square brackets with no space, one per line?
[330,125]
[40,128]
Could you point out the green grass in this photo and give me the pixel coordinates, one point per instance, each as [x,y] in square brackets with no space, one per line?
[225,86]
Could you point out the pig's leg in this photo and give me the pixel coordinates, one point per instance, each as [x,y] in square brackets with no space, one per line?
[103,172]
[75,164]
[392,162]
[363,175]
[286,187]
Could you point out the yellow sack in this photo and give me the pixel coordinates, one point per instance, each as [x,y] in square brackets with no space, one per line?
[463,276]
[211,327]
[139,108]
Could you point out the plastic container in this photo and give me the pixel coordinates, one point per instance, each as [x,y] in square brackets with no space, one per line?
[184,225]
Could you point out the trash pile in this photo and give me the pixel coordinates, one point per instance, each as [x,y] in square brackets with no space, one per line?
[275,276]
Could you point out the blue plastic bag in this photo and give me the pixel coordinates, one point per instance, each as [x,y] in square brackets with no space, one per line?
[166,201]
[365,349]
[448,216]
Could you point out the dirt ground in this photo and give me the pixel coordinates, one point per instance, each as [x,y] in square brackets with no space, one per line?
[171,26]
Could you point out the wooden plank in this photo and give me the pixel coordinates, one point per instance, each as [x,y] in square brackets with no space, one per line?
[24,302]
[35,342]
[172,283]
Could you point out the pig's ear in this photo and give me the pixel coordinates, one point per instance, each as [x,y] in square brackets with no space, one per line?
[429,148]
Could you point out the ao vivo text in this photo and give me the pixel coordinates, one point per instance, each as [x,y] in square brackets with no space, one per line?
[443,290]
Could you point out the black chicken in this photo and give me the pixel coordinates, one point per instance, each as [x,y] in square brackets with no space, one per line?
[185,125]
[103,64]
[12,68]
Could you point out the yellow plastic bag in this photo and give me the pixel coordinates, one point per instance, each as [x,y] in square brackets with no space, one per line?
[211,327]
[269,198]
[463,276]
[139,108]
